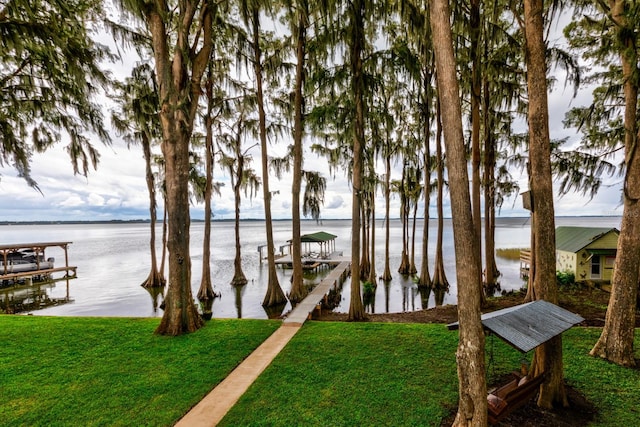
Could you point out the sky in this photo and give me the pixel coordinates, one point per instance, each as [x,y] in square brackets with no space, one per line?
[117,189]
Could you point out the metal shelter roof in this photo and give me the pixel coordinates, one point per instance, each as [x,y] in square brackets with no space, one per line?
[526,326]
[573,239]
[319,237]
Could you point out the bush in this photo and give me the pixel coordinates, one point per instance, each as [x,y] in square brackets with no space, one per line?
[565,278]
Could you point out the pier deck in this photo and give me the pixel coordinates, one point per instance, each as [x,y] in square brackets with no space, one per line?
[304,309]
[334,258]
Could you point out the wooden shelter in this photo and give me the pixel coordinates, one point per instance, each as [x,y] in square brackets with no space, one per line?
[525,327]
[37,251]
[326,241]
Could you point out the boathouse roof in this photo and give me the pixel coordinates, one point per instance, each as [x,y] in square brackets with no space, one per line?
[18,246]
[319,237]
[526,326]
[574,239]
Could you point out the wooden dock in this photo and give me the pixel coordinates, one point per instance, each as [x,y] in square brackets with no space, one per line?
[305,309]
[28,275]
[38,251]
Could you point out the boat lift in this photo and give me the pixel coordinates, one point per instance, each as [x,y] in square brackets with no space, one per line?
[38,251]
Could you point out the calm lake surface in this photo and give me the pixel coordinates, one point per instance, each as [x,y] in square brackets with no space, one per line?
[113,259]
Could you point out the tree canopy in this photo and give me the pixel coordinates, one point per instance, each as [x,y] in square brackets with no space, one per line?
[50,75]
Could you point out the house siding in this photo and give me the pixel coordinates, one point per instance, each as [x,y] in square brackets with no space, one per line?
[608,241]
[566,261]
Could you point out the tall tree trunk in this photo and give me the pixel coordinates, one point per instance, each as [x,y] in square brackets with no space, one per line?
[472,408]
[474,22]
[274,295]
[356,307]
[412,264]
[548,357]
[180,313]
[165,232]
[404,217]
[205,293]
[179,71]
[616,342]
[364,249]
[372,242]
[491,269]
[425,276]
[155,278]
[239,279]
[297,292]
[532,295]
[439,281]
[386,276]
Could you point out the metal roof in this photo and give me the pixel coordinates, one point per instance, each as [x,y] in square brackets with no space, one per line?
[526,326]
[319,237]
[16,246]
[573,239]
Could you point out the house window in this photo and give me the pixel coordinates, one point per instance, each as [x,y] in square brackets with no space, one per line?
[595,267]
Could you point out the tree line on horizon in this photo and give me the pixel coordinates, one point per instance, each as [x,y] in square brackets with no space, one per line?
[432,86]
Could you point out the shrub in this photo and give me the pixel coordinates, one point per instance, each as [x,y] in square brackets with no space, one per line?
[565,278]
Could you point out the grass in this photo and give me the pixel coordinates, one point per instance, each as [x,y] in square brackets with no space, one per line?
[343,374]
[613,389]
[98,371]
[352,374]
[512,254]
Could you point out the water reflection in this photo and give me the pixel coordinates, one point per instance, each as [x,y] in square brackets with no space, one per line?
[369,297]
[409,292]
[387,295]
[439,296]
[425,293]
[29,297]
[206,306]
[274,312]
[157,297]
[334,297]
[239,291]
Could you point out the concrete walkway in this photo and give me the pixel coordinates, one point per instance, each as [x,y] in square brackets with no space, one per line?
[215,405]
[210,410]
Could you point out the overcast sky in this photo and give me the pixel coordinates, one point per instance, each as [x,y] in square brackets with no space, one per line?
[117,189]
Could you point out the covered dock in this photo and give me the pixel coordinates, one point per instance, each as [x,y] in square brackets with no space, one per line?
[43,266]
[325,241]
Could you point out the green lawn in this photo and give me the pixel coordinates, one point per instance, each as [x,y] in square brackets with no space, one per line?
[112,371]
[346,374]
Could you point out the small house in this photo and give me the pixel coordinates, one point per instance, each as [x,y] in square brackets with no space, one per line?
[588,252]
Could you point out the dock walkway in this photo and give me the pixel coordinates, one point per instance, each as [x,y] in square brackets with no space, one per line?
[305,308]
[215,405]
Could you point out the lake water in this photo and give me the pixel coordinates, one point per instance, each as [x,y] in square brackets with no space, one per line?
[113,259]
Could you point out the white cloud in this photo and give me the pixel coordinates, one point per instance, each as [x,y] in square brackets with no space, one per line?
[71,202]
[95,199]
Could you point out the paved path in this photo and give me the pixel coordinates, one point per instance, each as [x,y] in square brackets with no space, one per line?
[215,405]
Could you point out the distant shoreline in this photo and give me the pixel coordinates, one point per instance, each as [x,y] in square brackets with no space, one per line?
[194,220]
